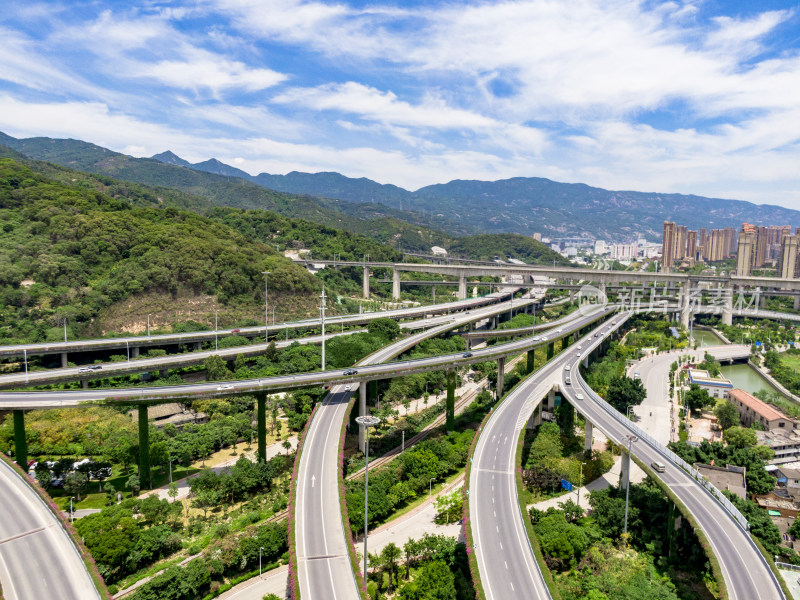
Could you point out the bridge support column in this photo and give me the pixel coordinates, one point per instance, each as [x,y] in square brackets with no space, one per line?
[362,411]
[261,426]
[135,352]
[450,403]
[530,364]
[536,418]
[144,448]
[603,292]
[572,296]
[198,346]
[796,303]
[551,399]
[762,300]
[163,373]
[587,439]
[64,361]
[462,286]
[727,308]
[685,295]
[551,350]
[396,284]
[84,383]
[20,441]
[501,376]
[585,361]
[365,284]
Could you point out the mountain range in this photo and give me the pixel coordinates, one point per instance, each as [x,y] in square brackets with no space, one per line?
[523,205]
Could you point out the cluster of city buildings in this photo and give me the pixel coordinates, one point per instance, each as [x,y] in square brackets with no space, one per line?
[754,246]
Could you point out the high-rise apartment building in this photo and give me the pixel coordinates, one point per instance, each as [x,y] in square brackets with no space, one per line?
[668,246]
[788,263]
[680,242]
[691,245]
[762,244]
[744,256]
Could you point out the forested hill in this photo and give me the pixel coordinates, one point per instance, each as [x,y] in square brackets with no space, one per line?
[68,251]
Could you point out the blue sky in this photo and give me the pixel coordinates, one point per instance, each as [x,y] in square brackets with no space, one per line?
[693,97]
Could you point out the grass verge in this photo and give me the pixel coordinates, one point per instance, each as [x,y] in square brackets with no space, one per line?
[348,533]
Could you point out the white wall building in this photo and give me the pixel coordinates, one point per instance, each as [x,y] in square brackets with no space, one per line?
[600,247]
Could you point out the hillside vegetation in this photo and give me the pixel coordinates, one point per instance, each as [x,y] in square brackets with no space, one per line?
[72,252]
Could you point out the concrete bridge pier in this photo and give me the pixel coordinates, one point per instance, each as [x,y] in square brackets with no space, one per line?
[727,307]
[536,418]
[796,303]
[144,448]
[261,426]
[462,286]
[163,373]
[685,305]
[587,440]
[20,441]
[603,291]
[365,284]
[396,284]
[84,383]
[572,295]
[762,299]
[64,361]
[362,412]
[551,399]
[450,403]
[135,352]
[530,363]
[551,350]
[501,375]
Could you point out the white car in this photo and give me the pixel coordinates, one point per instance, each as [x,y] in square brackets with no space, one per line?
[579,396]
[84,370]
[224,387]
[347,388]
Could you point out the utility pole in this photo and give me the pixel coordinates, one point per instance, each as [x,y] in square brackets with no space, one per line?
[631,439]
[266,308]
[366,421]
[322,322]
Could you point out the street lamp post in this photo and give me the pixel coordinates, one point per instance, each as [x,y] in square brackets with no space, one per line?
[266,308]
[631,439]
[148,325]
[259,560]
[170,470]
[628,411]
[366,421]
[71,511]
[580,485]
[216,327]
[322,322]
[430,489]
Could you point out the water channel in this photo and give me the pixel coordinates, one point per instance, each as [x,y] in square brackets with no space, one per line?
[741,375]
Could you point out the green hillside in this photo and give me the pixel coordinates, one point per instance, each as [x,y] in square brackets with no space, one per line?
[69,251]
[506,245]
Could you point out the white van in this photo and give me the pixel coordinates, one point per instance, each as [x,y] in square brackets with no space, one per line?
[658,467]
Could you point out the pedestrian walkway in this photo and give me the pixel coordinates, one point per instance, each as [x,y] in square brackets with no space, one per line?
[270,582]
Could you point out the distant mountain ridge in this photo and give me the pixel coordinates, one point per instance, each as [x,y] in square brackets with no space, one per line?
[527,205]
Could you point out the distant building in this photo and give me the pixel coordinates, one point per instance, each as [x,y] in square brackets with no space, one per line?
[788,265]
[785,444]
[752,410]
[624,251]
[600,247]
[729,477]
[717,387]
[537,236]
[438,251]
[668,246]
[744,256]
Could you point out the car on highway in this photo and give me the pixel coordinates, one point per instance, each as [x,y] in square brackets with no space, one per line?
[84,370]
[96,367]
[235,330]
[559,330]
[467,355]
[351,372]
[658,466]
[580,347]
[227,386]
[544,338]
[567,367]
[579,396]
[537,338]
[568,381]
[347,388]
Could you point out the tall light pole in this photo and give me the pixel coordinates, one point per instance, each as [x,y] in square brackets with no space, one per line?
[259,560]
[170,470]
[430,489]
[148,325]
[266,308]
[366,422]
[628,411]
[322,322]
[71,511]
[65,330]
[216,327]
[631,439]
